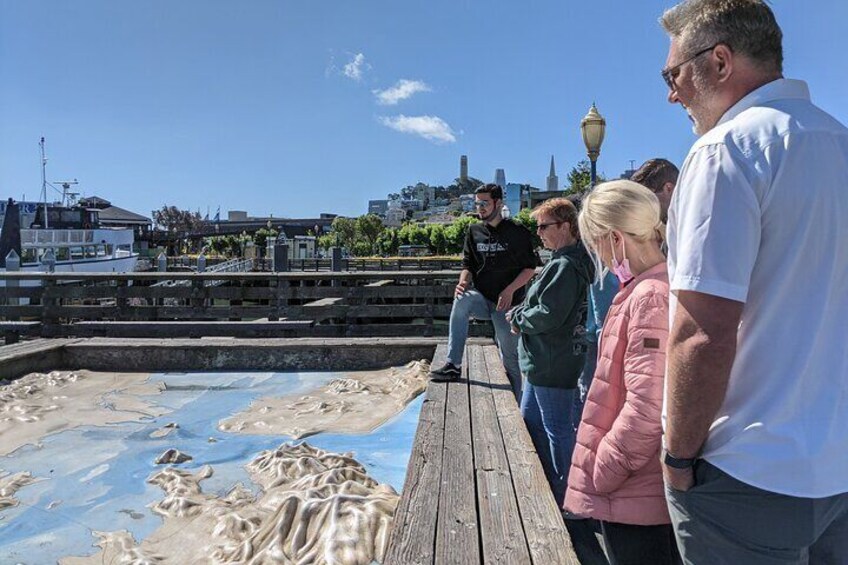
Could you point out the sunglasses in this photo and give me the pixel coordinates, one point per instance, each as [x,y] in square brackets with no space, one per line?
[482,203]
[671,73]
[543,227]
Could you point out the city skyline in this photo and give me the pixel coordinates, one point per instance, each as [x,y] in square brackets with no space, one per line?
[298,109]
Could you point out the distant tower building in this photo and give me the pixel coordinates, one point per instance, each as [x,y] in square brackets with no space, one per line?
[553,179]
[463,169]
[500,178]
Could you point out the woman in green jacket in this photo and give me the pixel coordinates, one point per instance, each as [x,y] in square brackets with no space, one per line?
[552,349]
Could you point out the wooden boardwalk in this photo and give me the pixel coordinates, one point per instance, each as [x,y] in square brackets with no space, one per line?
[475,491]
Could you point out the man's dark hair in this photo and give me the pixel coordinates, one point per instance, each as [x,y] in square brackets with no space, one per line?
[654,173]
[492,189]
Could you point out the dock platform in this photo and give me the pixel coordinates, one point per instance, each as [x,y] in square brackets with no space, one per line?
[475,491]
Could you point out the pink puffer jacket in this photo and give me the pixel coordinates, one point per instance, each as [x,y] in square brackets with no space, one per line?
[615,472]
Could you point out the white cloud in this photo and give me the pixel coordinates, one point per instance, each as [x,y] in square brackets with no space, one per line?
[401,91]
[356,67]
[431,128]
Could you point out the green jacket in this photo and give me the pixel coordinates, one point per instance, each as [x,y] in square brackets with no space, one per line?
[552,349]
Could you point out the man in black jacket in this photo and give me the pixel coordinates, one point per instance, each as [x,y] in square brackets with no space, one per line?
[497,262]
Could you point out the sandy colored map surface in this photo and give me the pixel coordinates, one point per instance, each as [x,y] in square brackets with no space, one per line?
[356,403]
[315,507]
[37,405]
[9,485]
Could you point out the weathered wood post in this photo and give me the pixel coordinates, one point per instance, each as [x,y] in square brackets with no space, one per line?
[281,258]
[336,263]
[13,265]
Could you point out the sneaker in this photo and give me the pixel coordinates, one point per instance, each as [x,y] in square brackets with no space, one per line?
[449,372]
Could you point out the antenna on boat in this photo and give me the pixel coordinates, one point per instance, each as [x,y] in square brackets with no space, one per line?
[43,180]
[68,197]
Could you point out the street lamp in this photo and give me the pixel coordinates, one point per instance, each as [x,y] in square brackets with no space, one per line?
[593,127]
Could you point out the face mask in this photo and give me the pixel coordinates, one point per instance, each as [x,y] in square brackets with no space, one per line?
[621,270]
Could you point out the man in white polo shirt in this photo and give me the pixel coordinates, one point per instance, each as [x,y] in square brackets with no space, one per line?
[756,427]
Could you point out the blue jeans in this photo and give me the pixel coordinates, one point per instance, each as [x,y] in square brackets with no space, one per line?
[583,384]
[547,414]
[472,304]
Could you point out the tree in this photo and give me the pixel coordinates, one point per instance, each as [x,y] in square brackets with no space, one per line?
[173,219]
[345,230]
[438,240]
[387,243]
[455,233]
[525,219]
[261,236]
[413,234]
[326,241]
[368,230]
[580,177]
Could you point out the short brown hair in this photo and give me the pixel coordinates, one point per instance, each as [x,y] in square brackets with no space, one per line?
[492,189]
[654,173]
[562,209]
[746,26]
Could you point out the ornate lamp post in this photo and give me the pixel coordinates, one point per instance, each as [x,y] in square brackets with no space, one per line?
[593,127]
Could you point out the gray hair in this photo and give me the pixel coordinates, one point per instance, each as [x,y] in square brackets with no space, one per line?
[746,26]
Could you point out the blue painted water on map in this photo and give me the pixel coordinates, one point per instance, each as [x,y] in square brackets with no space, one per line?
[96,475]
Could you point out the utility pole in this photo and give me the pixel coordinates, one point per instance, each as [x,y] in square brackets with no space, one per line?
[44,181]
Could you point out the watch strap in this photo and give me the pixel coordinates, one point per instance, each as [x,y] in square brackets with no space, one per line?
[677,462]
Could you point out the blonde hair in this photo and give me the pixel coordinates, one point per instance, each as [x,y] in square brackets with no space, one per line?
[620,205]
[560,208]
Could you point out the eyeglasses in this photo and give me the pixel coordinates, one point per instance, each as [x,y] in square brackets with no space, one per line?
[671,73]
[481,203]
[543,227]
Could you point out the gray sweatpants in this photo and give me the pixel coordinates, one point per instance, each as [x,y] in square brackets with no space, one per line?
[722,521]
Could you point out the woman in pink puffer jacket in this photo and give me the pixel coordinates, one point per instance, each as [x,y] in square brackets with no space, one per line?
[615,474]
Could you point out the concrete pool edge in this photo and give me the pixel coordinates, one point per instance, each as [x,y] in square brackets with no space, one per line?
[213,354]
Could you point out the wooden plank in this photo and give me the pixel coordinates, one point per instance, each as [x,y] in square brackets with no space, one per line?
[457,532]
[384,282]
[22,291]
[34,346]
[324,302]
[370,311]
[544,528]
[413,537]
[396,291]
[502,533]
[286,328]
[233,276]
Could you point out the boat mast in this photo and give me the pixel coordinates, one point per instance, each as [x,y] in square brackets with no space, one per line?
[44,180]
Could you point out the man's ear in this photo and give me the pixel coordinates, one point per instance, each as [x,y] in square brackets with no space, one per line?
[723,60]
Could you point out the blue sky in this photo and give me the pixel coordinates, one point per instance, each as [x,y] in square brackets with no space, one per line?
[275,106]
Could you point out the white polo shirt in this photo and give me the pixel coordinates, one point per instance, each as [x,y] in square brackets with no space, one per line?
[760,216]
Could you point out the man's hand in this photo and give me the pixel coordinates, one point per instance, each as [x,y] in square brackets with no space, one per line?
[504,300]
[678,479]
[460,289]
[510,315]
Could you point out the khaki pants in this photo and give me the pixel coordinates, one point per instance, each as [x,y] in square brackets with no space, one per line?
[722,521]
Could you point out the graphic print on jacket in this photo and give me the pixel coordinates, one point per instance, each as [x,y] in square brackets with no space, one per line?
[495,255]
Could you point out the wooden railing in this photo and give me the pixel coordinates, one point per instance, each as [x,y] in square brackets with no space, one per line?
[389,303]
[316,264]
[377,264]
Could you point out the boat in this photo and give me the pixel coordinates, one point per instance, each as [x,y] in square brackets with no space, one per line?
[63,239]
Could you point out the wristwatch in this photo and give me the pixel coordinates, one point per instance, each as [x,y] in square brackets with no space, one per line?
[677,462]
